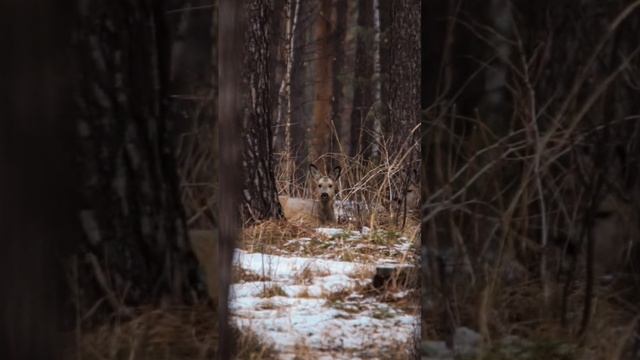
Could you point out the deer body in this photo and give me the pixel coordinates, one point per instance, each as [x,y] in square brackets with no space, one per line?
[320,208]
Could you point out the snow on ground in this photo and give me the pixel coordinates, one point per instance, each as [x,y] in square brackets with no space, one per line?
[309,306]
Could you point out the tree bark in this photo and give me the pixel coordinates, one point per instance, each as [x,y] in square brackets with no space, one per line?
[404,74]
[322,126]
[339,18]
[300,91]
[260,200]
[361,126]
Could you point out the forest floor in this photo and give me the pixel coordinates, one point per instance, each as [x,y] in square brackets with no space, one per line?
[308,291]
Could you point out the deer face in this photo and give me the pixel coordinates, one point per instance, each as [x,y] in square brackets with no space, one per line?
[325,186]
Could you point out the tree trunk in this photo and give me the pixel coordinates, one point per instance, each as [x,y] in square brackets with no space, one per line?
[300,91]
[230,115]
[339,18]
[404,74]
[361,127]
[38,213]
[135,250]
[260,194]
[322,127]
[384,52]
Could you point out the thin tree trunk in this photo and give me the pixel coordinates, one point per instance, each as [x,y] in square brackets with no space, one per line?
[230,115]
[284,93]
[377,84]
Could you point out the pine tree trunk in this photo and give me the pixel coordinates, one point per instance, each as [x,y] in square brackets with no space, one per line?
[404,73]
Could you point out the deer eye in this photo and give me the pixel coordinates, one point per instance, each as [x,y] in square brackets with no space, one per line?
[319,185]
[409,190]
[330,185]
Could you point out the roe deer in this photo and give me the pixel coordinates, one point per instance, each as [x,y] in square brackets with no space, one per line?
[320,208]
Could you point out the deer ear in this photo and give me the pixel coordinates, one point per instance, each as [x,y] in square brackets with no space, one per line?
[336,172]
[314,171]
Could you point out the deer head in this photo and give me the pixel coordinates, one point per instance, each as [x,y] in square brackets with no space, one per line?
[325,186]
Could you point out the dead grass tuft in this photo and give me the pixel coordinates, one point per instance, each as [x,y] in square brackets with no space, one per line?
[271,291]
[171,333]
[272,233]
[240,275]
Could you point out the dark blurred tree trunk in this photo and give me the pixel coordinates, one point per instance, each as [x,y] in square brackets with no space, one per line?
[135,249]
[404,73]
[260,194]
[38,181]
[361,126]
[434,50]
[230,118]
[321,127]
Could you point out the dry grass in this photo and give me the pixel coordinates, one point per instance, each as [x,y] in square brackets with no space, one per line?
[282,238]
[306,275]
[271,291]
[172,333]
[519,310]
[240,275]
[272,233]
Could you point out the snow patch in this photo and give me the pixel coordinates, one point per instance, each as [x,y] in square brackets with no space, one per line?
[340,328]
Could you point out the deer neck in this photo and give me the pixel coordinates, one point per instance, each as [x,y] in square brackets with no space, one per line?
[325,211]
